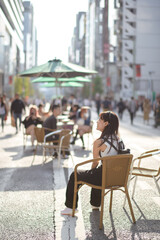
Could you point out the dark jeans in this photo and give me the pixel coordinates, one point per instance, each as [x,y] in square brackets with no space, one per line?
[131,117]
[2,116]
[93,176]
[18,116]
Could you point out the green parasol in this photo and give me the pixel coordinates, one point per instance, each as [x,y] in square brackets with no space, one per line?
[57,68]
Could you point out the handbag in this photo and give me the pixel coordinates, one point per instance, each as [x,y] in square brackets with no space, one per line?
[13,124]
[121,148]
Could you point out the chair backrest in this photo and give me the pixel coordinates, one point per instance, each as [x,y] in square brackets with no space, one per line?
[116,170]
[66,135]
[39,133]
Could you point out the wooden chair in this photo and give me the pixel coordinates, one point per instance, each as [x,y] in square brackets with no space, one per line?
[146,172]
[40,134]
[115,172]
[63,144]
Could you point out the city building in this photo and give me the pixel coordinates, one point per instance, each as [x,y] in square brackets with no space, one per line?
[11,43]
[30,36]
[138,55]
[77,48]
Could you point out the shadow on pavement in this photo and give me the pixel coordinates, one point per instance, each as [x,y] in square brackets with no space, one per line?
[145,226]
[95,232]
[34,178]
[20,152]
[7,136]
[71,222]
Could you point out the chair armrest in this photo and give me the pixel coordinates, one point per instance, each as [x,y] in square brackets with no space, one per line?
[151,151]
[63,137]
[83,163]
[50,134]
[86,162]
[146,155]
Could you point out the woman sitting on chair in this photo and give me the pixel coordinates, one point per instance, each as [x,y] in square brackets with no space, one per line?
[83,122]
[31,121]
[108,125]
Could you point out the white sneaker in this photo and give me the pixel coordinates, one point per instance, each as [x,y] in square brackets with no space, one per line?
[68,211]
[94,207]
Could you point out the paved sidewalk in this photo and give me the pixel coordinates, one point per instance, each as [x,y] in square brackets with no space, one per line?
[31,197]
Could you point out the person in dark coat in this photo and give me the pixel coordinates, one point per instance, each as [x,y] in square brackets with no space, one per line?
[51,122]
[17,107]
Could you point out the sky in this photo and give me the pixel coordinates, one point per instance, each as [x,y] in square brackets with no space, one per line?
[55,21]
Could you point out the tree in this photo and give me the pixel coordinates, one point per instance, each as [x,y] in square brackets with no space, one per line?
[23,86]
[97,86]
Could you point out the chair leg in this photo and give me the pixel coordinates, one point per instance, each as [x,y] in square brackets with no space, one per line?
[134,186]
[35,152]
[24,141]
[74,199]
[59,157]
[72,159]
[44,156]
[102,208]
[130,205]
[111,197]
[158,188]
[129,180]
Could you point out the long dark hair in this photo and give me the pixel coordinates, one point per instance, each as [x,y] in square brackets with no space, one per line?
[111,130]
[2,102]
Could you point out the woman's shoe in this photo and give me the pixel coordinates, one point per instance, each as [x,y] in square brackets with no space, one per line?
[68,211]
[94,207]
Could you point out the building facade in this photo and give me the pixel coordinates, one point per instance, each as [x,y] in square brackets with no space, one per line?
[138,57]
[11,43]
[30,36]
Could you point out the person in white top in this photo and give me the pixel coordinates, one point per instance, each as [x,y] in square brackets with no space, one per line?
[3,112]
[108,125]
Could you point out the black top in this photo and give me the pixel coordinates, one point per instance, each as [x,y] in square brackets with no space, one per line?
[51,122]
[17,106]
[30,121]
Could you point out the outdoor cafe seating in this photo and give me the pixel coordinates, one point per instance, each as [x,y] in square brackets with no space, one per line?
[62,146]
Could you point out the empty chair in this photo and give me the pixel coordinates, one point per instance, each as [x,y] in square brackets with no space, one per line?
[146,172]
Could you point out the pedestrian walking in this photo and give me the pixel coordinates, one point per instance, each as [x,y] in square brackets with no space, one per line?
[106,104]
[17,107]
[98,103]
[146,110]
[132,109]
[3,112]
[121,107]
[157,115]
[108,125]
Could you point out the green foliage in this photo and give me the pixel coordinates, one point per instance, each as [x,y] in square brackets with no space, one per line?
[97,86]
[86,90]
[23,86]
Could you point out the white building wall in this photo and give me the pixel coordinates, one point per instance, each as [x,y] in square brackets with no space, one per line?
[148,44]
[140,39]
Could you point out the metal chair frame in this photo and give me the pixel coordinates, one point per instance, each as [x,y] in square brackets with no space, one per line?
[63,143]
[146,172]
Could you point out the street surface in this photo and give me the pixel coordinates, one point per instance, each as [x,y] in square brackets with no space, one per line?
[31,197]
